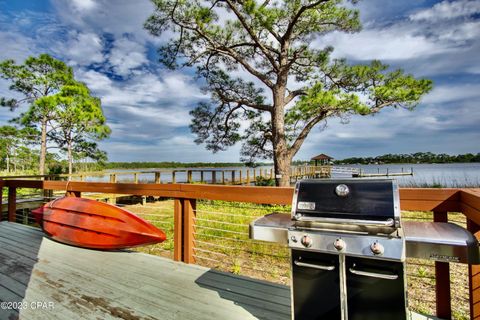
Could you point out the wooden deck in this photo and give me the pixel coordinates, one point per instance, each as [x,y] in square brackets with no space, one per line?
[56,281]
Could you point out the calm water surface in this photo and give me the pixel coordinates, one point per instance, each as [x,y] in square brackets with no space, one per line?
[444,174]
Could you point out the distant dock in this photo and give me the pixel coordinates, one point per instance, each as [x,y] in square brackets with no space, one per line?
[387,173]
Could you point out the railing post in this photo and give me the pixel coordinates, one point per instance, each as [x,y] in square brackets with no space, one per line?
[240,176]
[113,178]
[248,176]
[12,203]
[189,176]
[157,177]
[214,177]
[189,211]
[48,193]
[442,278]
[201,176]
[135,177]
[223,177]
[474,276]
[173,176]
[233,177]
[178,230]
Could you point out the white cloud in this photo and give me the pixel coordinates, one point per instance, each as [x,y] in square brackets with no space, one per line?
[15,46]
[447,10]
[82,5]
[126,55]
[462,32]
[81,49]
[450,93]
[387,44]
[118,17]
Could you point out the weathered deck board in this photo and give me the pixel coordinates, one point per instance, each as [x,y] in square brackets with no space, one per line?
[89,284]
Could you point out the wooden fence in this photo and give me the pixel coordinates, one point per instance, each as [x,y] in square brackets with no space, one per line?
[439,201]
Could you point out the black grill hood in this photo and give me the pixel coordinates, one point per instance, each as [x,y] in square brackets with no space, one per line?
[362,199]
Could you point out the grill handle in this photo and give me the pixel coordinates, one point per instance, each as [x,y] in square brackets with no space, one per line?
[377,223]
[314,266]
[374,274]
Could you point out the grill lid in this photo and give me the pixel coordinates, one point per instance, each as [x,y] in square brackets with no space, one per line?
[361,201]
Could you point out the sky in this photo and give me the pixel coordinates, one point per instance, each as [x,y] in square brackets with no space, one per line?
[147,106]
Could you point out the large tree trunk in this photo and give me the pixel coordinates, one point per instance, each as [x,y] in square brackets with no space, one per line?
[281,157]
[43,146]
[70,160]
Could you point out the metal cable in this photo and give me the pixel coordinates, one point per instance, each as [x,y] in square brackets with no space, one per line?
[227,214]
[222,222]
[205,258]
[214,245]
[238,240]
[221,230]
[212,252]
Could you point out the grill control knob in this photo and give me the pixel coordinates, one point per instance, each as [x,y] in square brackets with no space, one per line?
[339,244]
[377,248]
[306,241]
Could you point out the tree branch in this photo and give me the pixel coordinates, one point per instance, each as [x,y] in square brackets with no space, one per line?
[293,94]
[243,102]
[293,22]
[305,131]
[245,25]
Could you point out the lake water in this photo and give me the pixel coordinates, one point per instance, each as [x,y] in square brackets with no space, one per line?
[445,175]
[442,174]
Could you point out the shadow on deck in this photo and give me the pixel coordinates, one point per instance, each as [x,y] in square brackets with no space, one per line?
[52,280]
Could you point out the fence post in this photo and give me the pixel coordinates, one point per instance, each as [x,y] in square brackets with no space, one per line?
[233,177]
[201,176]
[189,176]
[223,177]
[135,177]
[178,230]
[12,203]
[189,211]
[173,176]
[248,176]
[442,278]
[474,276]
[157,177]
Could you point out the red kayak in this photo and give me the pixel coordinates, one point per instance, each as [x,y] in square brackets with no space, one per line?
[91,224]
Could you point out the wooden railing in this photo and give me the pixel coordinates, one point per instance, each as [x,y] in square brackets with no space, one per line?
[439,201]
[225,176]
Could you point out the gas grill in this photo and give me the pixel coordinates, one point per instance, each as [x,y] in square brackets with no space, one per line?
[348,248]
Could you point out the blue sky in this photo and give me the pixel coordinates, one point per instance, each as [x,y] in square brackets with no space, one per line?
[147,106]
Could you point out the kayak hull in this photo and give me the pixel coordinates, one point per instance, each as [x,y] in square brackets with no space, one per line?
[96,225]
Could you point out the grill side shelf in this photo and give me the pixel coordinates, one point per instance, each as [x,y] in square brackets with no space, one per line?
[440,241]
[272,227]
[437,241]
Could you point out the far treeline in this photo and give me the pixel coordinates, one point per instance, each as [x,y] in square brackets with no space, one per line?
[418,157]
